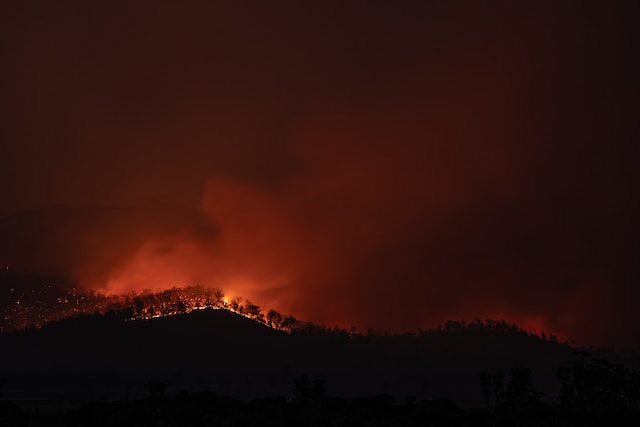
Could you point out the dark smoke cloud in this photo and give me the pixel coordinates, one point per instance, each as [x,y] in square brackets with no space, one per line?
[361,163]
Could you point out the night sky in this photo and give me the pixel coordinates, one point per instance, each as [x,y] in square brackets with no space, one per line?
[372,163]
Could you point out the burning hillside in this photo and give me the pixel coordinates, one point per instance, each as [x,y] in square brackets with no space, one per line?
[34,308]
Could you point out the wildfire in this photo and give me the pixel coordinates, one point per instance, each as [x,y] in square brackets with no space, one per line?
[34,309]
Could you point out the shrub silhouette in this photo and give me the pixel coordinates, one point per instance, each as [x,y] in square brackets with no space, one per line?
[156,390]
[304,391]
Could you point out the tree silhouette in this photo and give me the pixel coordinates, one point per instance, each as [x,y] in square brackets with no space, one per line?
[520,392]
[289,323]
[236,305]
[318,389]
[512,401]
[493,389]
[301,389]
[274,319]
[594,386]
[253,311]
[218,298]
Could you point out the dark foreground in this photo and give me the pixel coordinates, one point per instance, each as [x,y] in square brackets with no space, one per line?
[315,409]
[216,368]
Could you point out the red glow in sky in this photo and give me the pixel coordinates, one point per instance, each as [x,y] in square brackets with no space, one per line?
[386,166]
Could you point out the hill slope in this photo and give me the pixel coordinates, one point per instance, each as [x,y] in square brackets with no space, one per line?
[106,357]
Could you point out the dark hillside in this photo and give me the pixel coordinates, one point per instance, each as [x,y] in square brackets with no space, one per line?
[107,357]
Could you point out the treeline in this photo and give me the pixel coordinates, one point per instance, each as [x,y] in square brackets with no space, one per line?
[45,306]
[594,392]
[149,304]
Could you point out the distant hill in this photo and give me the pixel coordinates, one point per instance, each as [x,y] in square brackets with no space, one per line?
[106,357]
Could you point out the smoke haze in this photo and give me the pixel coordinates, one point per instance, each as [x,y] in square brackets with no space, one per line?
[359,164]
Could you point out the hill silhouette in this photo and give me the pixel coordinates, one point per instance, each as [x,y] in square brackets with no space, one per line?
[109,357]
[214,366]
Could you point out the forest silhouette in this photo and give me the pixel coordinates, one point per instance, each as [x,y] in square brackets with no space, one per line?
[193,358]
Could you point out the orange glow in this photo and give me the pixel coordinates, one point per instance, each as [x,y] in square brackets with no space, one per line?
[420,163]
